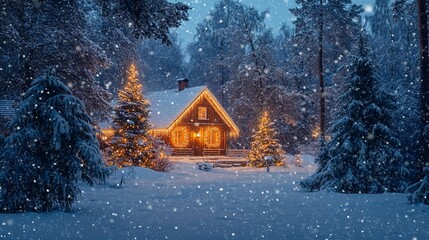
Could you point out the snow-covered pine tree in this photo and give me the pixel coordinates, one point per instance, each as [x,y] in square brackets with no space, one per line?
[394,43]
[1,140]
[216,53]
[53,145]
[420,190]
[265,143]
[51,33]
[363,155]
[161,64]
[131,143]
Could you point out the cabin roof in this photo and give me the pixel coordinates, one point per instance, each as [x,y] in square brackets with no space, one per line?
[168,105]
[7,108]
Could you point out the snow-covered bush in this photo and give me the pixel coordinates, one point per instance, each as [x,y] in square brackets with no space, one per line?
[53,145]
[205,166]
[161,162]
[162,165]
[285,162]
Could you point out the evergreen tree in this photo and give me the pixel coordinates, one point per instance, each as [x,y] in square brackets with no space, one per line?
[325,32]
[131,144]
[420,190]
[394,40]
[53,145]
[149,18]
[218,49]
[37,34]
[162,65]
[363,155]
[40,34]
[265,143]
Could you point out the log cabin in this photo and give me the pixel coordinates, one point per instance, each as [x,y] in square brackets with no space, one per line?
[191,120]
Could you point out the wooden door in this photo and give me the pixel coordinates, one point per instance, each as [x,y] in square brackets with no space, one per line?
[198,142]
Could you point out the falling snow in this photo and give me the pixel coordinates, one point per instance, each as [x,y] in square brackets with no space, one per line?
[234,203]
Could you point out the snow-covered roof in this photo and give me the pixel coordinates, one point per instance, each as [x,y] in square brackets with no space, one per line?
[6,108]
[167,105]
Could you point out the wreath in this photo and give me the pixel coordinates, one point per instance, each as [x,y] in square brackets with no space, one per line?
[183,142]
[207,137]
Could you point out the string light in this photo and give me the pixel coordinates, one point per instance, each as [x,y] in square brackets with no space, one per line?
[210,134]
[180,137]
[265,143]
[219,109]
[131,144]
[316,132]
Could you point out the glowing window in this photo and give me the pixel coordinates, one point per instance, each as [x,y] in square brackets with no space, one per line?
[212,137]
[202,113]
[180,137]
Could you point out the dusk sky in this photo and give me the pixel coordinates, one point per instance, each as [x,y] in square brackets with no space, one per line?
[279,13]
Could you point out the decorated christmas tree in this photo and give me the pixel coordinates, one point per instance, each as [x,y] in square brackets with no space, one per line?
[265,143]
[53,145]
[131,144]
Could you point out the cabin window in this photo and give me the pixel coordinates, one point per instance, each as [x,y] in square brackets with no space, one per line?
[212,137]
[202,113]
[180,137]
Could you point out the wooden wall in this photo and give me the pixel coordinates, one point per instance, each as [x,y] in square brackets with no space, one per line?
[194,125]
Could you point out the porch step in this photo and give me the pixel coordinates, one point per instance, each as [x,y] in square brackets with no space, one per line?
[182,151]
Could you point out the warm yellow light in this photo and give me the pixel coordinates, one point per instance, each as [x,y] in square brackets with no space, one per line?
[316,132]
[212,137]
[180,137]
[219,109]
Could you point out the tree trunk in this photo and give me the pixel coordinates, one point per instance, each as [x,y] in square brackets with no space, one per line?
[321,77]
[26,20]
[424,80]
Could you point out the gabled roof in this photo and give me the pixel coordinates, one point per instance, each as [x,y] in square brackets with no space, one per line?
[7,108]
[168,106]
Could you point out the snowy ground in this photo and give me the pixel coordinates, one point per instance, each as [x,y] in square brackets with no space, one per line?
[234,203]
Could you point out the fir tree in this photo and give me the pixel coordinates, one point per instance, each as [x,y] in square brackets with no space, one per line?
[394,41]
[52,146]
[419,192]
[265,143]
[131,144]
[363,155]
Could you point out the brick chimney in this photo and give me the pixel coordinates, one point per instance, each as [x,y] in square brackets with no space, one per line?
[182,83]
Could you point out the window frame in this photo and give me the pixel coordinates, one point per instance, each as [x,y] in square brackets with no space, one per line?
[202,113]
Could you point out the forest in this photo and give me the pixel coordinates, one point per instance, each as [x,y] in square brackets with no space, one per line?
[353,87]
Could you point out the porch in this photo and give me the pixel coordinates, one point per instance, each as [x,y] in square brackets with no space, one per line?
[188,152]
